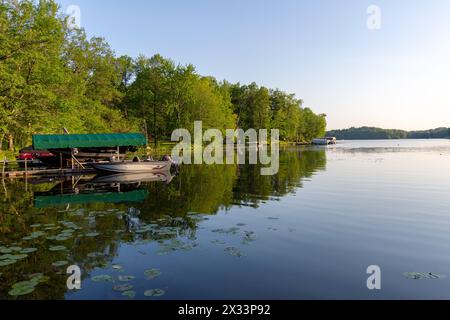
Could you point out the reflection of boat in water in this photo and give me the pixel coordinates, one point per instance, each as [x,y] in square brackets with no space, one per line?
[134,178]
[48,201]
[116,188]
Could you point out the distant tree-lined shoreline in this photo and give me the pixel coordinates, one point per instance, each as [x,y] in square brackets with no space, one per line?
[372,133]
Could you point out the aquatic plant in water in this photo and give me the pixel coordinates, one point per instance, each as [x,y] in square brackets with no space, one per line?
[28,250]
[60,263]
[125,278]
[234,252]
[26,287]
[102,278]
[117,267]
[123,287]
[130,294]
[152,273]
[57,248]
[154,293]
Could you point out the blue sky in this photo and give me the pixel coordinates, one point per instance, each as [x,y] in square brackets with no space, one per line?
[321,50]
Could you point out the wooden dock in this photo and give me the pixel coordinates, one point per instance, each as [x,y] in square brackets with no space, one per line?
[33,172]
[48,172]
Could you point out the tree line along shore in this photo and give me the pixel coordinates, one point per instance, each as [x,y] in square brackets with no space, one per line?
[52,76]
[371,133]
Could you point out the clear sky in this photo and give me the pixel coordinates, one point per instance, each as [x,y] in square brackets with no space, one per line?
[321,50]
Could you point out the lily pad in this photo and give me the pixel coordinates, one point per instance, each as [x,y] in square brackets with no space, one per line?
[5,250]
[28,250]
[95,254]
[152,273]
[218,242]
[92,234]
[21,291]
[26,287]
[37,234]
[102,278]
[125,278]
[37,225]
[57,248]
[123,287]
[7,262]
[234,252]
[39,278]
[130,294]
[117,267]
[154,293]
[62,238]
[18,256]
[60,264]
[423,275]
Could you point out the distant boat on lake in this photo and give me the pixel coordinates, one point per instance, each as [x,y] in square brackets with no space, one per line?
[324,141]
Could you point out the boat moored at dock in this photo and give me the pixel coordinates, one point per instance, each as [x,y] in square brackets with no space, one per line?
[133,167]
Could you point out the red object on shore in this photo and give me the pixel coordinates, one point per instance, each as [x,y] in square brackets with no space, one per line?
[30,155]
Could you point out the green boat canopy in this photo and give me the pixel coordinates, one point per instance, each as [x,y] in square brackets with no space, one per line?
[69,141]
[42,202]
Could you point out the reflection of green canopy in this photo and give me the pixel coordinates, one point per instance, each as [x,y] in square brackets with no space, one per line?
[69,141]
[41,202]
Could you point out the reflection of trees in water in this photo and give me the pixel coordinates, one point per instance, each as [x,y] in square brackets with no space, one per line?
[207,189]
[168,217]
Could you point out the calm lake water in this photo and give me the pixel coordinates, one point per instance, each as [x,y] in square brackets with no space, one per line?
[225,232]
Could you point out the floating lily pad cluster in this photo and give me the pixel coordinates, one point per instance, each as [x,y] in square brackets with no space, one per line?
[125,278]
[57,248]
[130,294]
[95,254]
[102,278]
[26,287]
[152,273]
[175,245]
[58,264]
[126,288]
[233,231]
[11,255]
[34,235]
[117,267]
[154,293]
[234,252]
[123,287]
[218,242]
[249,237]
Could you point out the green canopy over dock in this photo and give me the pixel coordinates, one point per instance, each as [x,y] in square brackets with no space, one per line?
[70,141]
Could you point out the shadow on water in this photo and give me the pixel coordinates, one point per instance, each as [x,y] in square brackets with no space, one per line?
[84,220]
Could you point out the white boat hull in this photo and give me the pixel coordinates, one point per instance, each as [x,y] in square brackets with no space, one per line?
[127,178]
[133,167]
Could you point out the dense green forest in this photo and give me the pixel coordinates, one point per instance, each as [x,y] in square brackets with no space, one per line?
[52,76]
[370,133]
